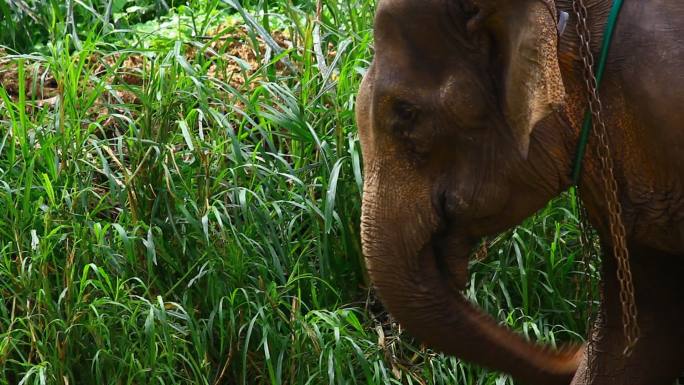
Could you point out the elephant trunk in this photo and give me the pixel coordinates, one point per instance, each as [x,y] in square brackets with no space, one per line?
[414,280]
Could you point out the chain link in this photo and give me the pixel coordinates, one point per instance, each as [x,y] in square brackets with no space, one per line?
[610,186]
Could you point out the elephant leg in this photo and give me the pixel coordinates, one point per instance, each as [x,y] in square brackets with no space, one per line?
[658,358]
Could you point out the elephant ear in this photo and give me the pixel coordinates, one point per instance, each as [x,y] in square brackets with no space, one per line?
[526,38]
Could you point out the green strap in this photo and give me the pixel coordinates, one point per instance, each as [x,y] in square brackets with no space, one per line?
[586,126]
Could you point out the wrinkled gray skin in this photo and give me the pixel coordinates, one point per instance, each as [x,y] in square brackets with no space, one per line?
[469,118]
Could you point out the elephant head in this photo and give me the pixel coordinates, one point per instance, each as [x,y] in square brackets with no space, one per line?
[448,116]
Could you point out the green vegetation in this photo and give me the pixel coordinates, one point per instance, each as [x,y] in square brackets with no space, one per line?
[180,198]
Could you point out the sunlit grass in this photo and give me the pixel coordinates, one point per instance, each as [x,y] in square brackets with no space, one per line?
[185,228]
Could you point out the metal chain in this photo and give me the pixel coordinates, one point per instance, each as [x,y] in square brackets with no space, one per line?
[610,187]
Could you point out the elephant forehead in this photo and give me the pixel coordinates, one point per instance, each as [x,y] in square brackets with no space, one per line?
[410,5]
[430,30]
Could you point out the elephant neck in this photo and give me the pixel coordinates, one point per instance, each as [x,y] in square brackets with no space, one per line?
[572,67]
[557,137]
[572,70]
[568,43]
[570,61]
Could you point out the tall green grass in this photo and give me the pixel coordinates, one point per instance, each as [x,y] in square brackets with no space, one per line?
[184,228]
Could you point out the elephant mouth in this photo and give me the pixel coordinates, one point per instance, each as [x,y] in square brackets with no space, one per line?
[452,251]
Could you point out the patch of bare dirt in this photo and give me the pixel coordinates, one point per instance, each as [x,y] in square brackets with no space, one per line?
[38,81]
[228,48]
[240,60]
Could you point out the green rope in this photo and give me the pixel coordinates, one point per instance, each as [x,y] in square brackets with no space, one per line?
[586,126]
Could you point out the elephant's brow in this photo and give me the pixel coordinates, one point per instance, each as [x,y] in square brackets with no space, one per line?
[388,94]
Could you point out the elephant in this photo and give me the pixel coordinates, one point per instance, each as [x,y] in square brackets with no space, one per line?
[469,119]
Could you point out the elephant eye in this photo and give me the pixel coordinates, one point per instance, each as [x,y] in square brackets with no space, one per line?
[469,9]
[405,112]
